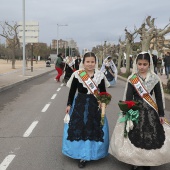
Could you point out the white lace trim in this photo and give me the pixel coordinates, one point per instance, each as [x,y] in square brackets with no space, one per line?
[98,76]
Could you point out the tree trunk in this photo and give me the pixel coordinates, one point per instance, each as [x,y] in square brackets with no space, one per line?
[128,52]
[119,62]
[146,44]
[13,59]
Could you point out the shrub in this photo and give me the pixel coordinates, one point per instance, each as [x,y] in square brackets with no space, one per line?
[167,87]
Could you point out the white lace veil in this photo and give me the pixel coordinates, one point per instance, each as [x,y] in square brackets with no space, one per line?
[150,76]
[135,70]
[81,66]
[98,75]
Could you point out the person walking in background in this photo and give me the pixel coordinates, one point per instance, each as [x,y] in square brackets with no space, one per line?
[110,71]
[84,137]
[167,64]
[163,57]
[144,139]
[155,60]
[77,62]
[160,66]
[59,66]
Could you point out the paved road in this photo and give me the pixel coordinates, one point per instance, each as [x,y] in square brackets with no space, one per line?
[31,125]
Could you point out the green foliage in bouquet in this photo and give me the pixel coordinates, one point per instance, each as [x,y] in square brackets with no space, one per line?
[104,97]
[131,114]
[127,105]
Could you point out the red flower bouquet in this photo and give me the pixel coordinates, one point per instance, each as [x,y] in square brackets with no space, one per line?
[130,114]
[104,99]
[127,105]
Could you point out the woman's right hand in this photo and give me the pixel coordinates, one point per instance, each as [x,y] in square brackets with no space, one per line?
[67,109]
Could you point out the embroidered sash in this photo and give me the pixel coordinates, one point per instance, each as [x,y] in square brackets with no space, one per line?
[143,92]
[88,82]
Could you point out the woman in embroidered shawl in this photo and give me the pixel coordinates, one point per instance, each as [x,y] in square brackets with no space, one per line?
[69,68]
[84,137]
[147,144]
[110,71]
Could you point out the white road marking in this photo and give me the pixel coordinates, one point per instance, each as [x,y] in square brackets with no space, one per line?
[4,165]
[45,107]
[58,89]
[62,84]
[30,129]
[54,95]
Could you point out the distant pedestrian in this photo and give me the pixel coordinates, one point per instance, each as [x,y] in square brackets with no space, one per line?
[110,70]
[160,66]
[167,64]
[163,63]
[59,66]
[77,62]
[69,69]
[155,60]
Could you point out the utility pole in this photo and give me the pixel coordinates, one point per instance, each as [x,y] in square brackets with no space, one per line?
[31,57]
[23,44]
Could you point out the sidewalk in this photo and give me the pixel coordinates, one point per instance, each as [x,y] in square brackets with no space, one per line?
[12,77]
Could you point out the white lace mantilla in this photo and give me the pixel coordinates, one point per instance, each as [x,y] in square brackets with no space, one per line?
[98,76]
[149,83]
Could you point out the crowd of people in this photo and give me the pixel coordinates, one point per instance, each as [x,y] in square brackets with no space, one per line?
[85,138]
[162,63]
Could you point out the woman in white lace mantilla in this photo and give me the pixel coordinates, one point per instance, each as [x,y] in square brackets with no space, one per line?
[110,70]
[148,143]
[84,137]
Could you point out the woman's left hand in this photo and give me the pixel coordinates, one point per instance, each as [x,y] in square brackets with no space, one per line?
[162,120]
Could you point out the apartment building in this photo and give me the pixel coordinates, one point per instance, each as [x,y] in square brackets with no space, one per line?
[61,44]
[31,32]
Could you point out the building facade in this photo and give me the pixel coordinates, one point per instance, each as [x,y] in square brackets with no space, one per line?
[31,32]
[61,44]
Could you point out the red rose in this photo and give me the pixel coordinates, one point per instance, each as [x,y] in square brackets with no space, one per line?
[130,104]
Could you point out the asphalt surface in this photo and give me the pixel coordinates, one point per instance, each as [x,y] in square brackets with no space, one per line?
[43,101]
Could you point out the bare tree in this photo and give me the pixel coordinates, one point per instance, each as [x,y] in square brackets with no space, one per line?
[10,33]
[121,55]
[148,31]
[129,40]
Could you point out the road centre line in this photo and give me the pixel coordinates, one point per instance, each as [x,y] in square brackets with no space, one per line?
[54,95]
[30,129]
[5,163]
[58,89]
[45,107]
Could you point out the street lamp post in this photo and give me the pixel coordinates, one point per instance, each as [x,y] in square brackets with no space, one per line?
[31,57]
[58,25]
[23,38]
[65,49]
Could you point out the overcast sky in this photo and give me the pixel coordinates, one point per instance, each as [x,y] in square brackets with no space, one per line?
[90,22]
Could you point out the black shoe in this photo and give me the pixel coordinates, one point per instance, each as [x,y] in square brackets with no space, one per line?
[134,167]
[146,167]
[82,163]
